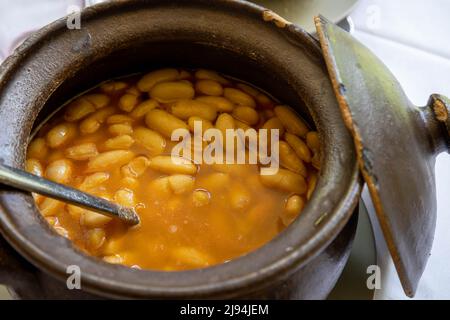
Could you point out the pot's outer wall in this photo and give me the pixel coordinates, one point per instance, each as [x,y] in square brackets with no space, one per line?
[396,144]
[119,38]
[26,282]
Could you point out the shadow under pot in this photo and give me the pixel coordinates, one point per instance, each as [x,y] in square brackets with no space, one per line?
[238,39]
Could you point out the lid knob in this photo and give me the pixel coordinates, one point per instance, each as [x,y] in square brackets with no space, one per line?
[437,120]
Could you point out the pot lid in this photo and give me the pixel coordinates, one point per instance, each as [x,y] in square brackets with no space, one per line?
[393,145]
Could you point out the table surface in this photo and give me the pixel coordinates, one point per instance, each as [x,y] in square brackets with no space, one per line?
[411,38]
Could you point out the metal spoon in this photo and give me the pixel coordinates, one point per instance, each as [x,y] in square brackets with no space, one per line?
[29,182]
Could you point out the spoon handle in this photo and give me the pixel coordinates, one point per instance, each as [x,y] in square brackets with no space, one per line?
[22,180]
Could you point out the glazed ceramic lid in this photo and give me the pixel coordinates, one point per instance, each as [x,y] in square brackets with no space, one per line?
[396,144]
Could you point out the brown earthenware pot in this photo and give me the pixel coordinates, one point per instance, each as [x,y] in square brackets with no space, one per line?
[120,38]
